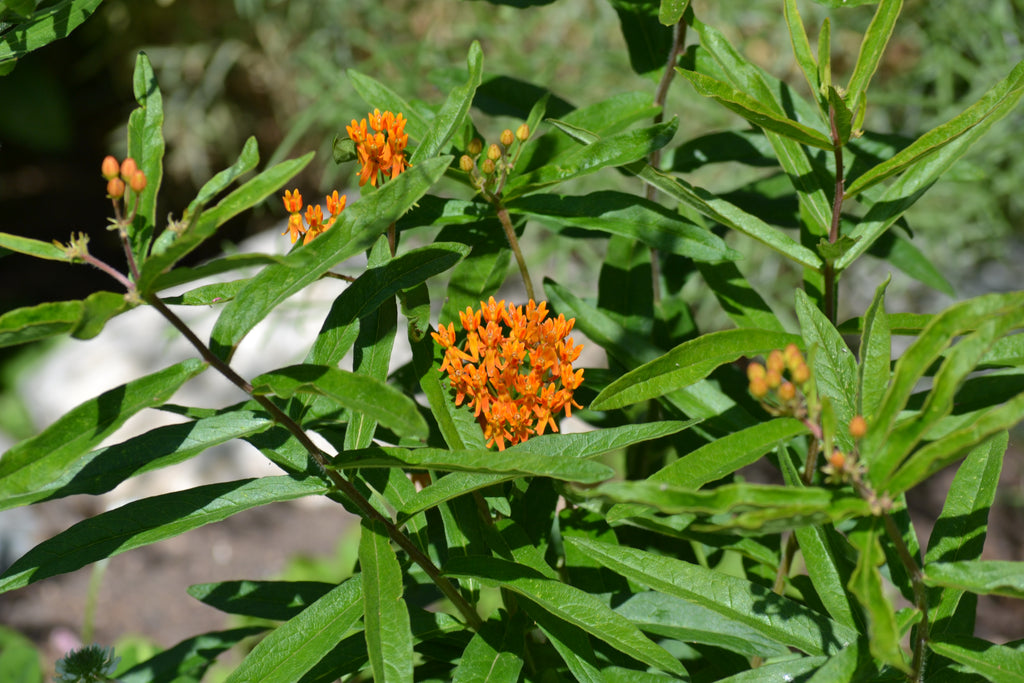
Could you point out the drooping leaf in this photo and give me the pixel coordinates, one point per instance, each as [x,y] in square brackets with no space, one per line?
[866,585]
[82,319]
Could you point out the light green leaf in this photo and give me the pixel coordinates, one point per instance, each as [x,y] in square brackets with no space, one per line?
[671,11]
[567,603]
[82,319]
[31,247]
[146,146]
[294,647]
[688,363]
[37,463]
[355,230]
[873,46]
[773,616]
[382,402]
[388,634]
[995,662]
[984,577]
[866,585]
[453,112]
[20,661]
[188,660]
[801,45]
[875,355]
[494,654]
[53,23]
[150,520]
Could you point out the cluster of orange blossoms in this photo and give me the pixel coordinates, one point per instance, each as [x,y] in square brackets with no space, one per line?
[767,381]
[314,223]
[515,366]
[121,175]
[380,146]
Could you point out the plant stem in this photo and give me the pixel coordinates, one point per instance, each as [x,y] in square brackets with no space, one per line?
[837,207]
[920,597]
[510,233]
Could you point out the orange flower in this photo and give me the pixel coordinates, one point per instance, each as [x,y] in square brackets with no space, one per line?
[381,151]
[314,224]
[515,367]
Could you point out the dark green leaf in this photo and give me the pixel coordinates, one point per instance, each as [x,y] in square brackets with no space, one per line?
[189,659]
[53,23]
[866,585]
[277,600]
[82,319]
[494,655]
[648,39]
[738,298]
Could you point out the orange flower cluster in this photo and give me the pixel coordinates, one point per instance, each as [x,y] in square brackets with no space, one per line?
[515,367]
[382,150]
[315,223]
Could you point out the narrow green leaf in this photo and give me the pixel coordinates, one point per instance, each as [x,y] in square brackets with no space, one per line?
[738,298]
[873,46]
[568,603]
[866,585]
[382,402]
[188,660]
[150,520]
[852,664]
[901,252]
[842,114]
[773,616]
[628,216]
[146,146]
[984,577]
[481,273]
[36,463]
[453,112]
[688,363]
[388,635]
[277,600]
[53,23]
[991,104]
[754,111]
[995,662]
[457,425]
[786,671]
[296,646]
[570,641]
[801,45]
[21,661]
[31,247]
[83,319]
[494,655]
[379,96]
[671,11]
[356,229]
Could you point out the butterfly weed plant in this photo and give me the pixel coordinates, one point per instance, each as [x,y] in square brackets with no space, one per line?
[494,545]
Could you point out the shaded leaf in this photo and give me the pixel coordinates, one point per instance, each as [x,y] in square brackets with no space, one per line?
[277,600]
[995,662]
[189,659]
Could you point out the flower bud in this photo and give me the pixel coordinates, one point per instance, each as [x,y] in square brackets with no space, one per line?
[792,356]
[858,426]
[523,133]
[494,152]
[787,392]
[837,459]
[128,169]
[776,361]
[506,137]
[773,378]
[758,388]
[138,182]
[755,371]
[466,163]
[110,168]
[487,167]
[476,145]
[115,188]
[801,373]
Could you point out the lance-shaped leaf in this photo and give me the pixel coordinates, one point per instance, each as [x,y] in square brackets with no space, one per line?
[873,46]
[995,662]
[984,577]
[617,213]
[388,634]
[582,446]
[688,363]
[991,104]
[355,230]
[380,96]
[82,319]
[866,585]
[453,112]
[738,298]
[150,520]
[31,247]
[54,22]
[495,653]
[801,45]
[382,402]
[754,111]
[294,647]
[146,147]
[875,355]
[37,463]
[277,600]
[567,603]
[188,660]
[778,618]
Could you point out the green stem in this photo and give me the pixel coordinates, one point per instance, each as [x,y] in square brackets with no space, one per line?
[837,207]
[920,597]
[510,233]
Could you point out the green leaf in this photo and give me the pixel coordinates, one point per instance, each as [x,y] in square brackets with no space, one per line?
[82,319]
[801,45]
[53,23]
[150,520]
[866,585]
[355,230]
[984,577]
[296,646]
[773,616]
[31,247]
[991,105]
[901,252]
[995,662]
[614,150]
[629,216]
[481,273]
[146,146]
[379,96]
[35,464]
[688,363]
[494,655]
[101,470]
[277,600]
[671,11]
[755,111]
[647,38]
[738,298]
[370,396]
[20,661]
[582,446]
[453,112]
[388,638]
[567,603]
[873,46]
[188,660]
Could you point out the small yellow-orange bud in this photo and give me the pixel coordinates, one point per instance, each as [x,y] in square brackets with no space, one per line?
[858,426]
[466,163]
[494,152]
[775,361]
[787,392]
[138,181]
[773,378]
[476,145]
[110,168]
[801,373]
[523,133]
[758,388]
[755,371]
[507,137]
[115,188]
[128,169]
[837,460]
[792,355]
[487,167]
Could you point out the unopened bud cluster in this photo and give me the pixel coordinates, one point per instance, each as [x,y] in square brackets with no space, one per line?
[845,468]
[498,159]
[781,382]
[123,176]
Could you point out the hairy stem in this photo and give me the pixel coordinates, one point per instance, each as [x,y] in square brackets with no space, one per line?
[510,233]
